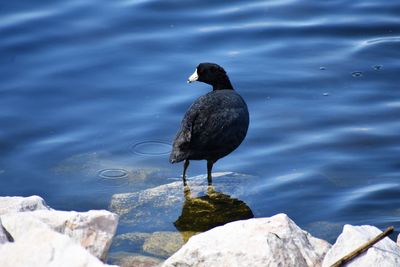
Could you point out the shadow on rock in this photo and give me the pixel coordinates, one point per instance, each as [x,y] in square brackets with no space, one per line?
[200,214]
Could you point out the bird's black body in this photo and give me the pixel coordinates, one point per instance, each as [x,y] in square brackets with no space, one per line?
[214,125]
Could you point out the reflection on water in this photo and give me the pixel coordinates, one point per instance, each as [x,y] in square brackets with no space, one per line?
[202,213]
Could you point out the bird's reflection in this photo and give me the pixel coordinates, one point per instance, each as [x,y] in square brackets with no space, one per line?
[214,209]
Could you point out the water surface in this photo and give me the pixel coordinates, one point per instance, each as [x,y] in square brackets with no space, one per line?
[92,93]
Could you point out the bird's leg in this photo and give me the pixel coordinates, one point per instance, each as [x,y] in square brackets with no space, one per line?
[186,192]
[210,190]
[185,166]
[209,169]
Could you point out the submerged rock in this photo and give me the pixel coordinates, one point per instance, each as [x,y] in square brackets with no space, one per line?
[163,244]
[129,241]
[124,259]
[156,208]
[273,241]
[22,204]
[106,167]
[384,253]
[94,229]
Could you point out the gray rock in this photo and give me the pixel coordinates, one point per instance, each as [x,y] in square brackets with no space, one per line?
[156,207]
[273,241]
[90,164]
[129,241]
[94,229]
[163,244]
[124,259]
[22,204]
[384,253]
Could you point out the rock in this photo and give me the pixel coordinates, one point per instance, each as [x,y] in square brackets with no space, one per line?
[273,241]
[124,259]
[40,246]
[130,241]
[384,253]
[203,208]
[94,229]
[398,240]
[155,208]
[3,235]
[22,204]
[101,163]
[163,244]
[46,237]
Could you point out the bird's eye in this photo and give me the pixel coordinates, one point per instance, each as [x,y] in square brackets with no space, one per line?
[200,71]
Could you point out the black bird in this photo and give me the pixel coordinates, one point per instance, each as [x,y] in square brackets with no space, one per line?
[214,125]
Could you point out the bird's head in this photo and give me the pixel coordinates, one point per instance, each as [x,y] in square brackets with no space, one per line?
[212,74]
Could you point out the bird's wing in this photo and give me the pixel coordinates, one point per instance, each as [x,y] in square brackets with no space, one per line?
[181,146]
[208,117]
[218,129]
[212,123]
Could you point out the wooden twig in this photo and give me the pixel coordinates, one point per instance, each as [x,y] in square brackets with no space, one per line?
[363,248]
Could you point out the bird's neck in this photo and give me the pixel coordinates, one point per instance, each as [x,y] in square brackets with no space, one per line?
[223,84]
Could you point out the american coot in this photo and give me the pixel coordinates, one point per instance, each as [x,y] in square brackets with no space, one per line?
[214,125]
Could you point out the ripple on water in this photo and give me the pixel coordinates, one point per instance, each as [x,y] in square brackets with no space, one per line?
[377,67]
[390,39]
[365,194]
[151,148]
[356,74]
[112,174]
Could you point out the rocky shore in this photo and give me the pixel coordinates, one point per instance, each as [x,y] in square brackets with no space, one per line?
[33,234]
[278,241]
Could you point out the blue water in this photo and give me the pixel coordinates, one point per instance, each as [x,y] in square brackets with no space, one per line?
[94,87]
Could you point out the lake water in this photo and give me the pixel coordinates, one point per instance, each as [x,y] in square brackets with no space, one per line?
[92,94]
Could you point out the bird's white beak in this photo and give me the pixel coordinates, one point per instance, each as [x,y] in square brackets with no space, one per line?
[193,77]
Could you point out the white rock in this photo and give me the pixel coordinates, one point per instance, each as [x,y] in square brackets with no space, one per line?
[274,241]
[384,253]
[398,240]
[94,229]
[21,204]
[41,246]
[3,236]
